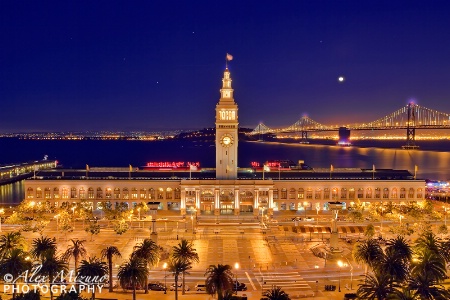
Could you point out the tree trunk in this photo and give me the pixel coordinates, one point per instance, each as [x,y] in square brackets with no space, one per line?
[134,290]
[110,274]
[176,287]
[14,291]
[183,286]
[93,293]
[51,279]
[146,284]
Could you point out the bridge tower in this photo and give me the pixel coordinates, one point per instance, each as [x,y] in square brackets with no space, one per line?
[411,128]
[226,131]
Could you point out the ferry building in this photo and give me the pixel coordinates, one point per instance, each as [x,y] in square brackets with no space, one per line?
[227,189]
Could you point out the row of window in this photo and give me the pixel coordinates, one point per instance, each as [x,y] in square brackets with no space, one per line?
[108,193]
[351,193]
[225,195]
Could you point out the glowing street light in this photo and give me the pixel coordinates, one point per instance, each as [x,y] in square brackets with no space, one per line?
[340,265]
[165,277]
[192,223]
[236,266]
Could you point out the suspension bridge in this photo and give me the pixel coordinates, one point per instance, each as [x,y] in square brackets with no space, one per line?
[409,117]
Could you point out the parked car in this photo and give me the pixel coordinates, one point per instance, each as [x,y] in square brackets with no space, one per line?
[180,285]
[200,287]
[156,286]
[106,285]
[130,287]
[239,286]
[309,219]
[296,219]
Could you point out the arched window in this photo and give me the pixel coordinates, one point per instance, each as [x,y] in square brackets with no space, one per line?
[38,193]
[56,193]
[360,193]
[369,193]
[351,193]
[125,194]
[283,193]
[108,194]
[82,193]
[169,193]
[116,193]
[343,193]
[318,194]
[151,194]
[177,193]
[385,193]
[73,193]
[160,193]
[47,194]
[309,193]
[134,193]
[30,194]
[411,193]
[65,193]
[99,193]
[377,193]
[275,194]
[91,193]
[402,193]
[419,193]
[334,193]
[326,193]
[394,193]
[143,193]
[292,194]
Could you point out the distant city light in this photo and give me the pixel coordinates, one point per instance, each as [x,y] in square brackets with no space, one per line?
[341,79]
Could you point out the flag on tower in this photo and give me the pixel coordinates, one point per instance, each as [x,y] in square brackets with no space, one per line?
[87,168]
[131,168]
[229,57]
[416,168]
[193,168]
[373,168]
[266,168]
[331,168]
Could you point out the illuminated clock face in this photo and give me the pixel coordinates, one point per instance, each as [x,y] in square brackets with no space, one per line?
[226,140]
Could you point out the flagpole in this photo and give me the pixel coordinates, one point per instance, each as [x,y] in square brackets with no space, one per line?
[263,171]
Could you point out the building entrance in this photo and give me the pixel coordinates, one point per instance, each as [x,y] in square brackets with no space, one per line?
[226,209]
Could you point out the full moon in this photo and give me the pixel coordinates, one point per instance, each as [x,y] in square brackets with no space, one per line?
[341,79]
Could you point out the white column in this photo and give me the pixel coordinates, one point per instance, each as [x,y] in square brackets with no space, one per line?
[236,199]
[197,199]
[216,199]
[183,199]
[270,198]
[256,199]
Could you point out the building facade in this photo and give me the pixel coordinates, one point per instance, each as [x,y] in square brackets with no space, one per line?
[229,192]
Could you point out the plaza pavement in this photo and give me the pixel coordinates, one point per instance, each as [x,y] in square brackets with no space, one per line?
[268,258]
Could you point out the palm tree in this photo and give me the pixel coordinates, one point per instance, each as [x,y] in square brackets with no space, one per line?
[132,273]
[51,265]
[94,267]
[42,244]
[400,248]
[367,252]
[76,250]
[393,265]
[404,293]
[276,293]
[219,279]
[426,275]
[177,267]
[148,250]
[185,251]
[376,287]
[108,253]
[10,241]
[14,264]
[429,241]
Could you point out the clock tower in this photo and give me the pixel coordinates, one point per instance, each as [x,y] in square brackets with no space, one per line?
[226,131]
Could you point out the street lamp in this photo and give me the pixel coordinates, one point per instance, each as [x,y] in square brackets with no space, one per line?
[192,223]
[165,277]
[32,203]
[340,265]
[236,266]
[317,210]
[2,211]
[400,217]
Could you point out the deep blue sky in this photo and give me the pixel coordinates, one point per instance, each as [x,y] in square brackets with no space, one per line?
[131,65]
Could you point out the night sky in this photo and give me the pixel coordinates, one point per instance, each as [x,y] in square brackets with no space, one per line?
[110,65]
